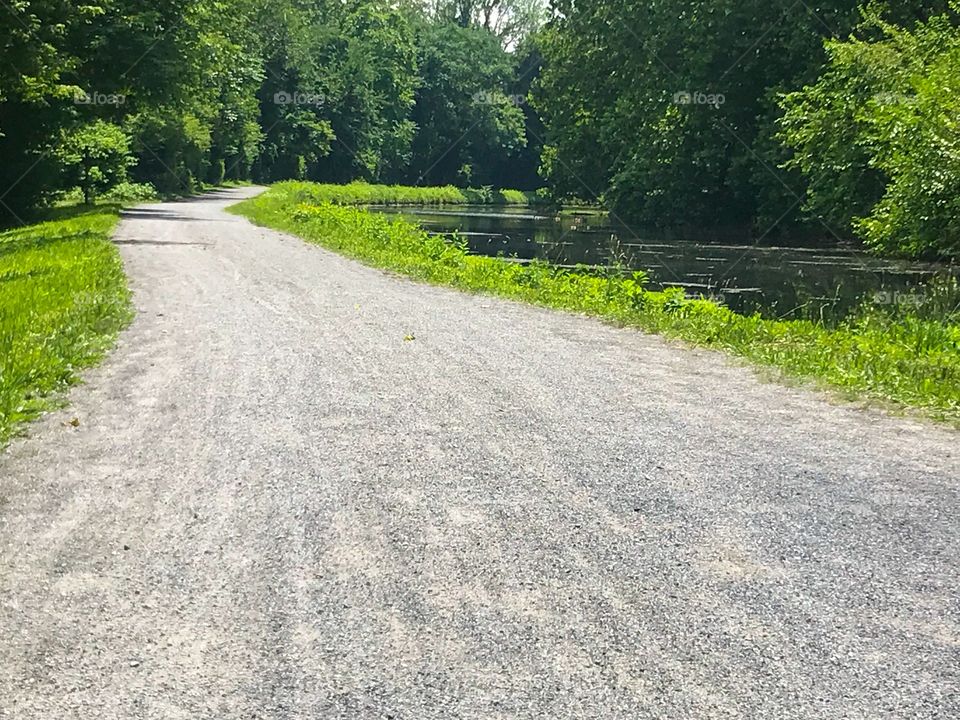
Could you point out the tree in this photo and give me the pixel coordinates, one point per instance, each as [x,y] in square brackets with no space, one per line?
[668,111]
[376,76]
[465,118]
[37,43]
[879,147]
[512,21]
[207,90]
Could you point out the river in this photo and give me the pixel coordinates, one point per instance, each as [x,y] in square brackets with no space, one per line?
[778,280]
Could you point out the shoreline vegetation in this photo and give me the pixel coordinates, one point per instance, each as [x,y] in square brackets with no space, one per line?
[906,358]
[63,300]
[362,193]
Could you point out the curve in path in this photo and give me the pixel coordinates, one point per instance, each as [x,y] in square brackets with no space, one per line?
[275,506]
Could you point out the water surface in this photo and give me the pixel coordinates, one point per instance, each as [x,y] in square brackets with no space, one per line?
[782,279]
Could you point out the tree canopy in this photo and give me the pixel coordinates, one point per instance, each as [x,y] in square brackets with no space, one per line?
[673,113]
[207,90]
[766,116]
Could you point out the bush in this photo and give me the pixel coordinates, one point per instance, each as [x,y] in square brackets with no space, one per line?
[878,140]
[95,158]
[131,192]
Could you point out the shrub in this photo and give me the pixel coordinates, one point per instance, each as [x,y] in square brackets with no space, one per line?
[131,192]
[95,157]
[878,140]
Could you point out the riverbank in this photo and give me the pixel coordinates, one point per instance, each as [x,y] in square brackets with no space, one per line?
[905,359]
[63,299]
[361,193]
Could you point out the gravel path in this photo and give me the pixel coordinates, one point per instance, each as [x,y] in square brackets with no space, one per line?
[275,506]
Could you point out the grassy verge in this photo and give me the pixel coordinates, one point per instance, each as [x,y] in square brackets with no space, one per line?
[63,299]
[907,360]
[361,193]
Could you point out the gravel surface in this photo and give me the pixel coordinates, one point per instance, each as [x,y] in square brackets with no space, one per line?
[277,505]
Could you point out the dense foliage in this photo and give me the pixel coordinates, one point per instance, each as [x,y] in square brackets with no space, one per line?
[670,112]
[94,158]
[463,115]
[746,115]
[878,137]
[201,91]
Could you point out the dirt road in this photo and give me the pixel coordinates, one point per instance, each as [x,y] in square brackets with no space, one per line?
[278,505]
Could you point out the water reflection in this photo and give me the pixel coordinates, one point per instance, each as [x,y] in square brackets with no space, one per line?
[777,280]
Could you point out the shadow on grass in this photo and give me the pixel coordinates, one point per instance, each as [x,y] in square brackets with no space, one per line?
[38,234]
[23,275]
[31,241]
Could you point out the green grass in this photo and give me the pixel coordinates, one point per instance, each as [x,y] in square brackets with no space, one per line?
[908,360]
[361,193]
[63,299]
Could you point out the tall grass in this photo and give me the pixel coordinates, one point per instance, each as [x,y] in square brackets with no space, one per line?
[63,298]
[361,193]
[906,359]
